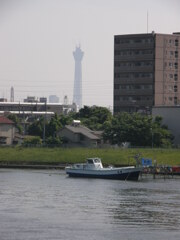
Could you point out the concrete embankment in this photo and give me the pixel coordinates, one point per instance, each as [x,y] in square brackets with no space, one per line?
[59,166]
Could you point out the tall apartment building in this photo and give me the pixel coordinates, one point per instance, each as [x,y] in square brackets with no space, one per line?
[146,71]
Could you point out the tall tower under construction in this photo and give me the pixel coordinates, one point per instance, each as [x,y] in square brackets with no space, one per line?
[77,95]
[12,95]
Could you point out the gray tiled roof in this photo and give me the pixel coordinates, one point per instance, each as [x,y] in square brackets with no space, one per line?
[83,130]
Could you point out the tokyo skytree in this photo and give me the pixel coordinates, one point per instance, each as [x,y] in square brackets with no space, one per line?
[77,94]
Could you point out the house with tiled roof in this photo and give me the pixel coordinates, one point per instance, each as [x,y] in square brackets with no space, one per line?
[7,131]
[80,136]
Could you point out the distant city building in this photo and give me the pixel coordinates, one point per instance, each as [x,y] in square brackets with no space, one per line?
[3,99]
[31,99]
[35,108]
[53,99]
[43,100]
[12,95]
[65,100]
[77,95]
[146,71]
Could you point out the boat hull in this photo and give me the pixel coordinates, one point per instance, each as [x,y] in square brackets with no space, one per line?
[131,174]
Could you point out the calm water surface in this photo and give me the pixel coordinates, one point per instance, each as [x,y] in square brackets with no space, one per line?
[48,205]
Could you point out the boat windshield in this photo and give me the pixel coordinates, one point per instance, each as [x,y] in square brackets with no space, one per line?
[93,160]
[97,160]
[90,161]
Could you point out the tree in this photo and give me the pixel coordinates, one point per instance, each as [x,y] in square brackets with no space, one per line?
[66,119]
[16,120]
[139,130]
[161,136]
[36,128]
[53,141]
[94,117]
[53,126]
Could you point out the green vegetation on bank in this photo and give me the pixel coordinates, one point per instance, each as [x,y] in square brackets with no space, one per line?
[135,128]
[20,155]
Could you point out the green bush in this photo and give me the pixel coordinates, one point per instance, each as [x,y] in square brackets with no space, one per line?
[32,140]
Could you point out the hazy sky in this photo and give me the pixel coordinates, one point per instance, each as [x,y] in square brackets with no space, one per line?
[37,38]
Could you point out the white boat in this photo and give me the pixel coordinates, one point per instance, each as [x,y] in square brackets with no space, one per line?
[93,168]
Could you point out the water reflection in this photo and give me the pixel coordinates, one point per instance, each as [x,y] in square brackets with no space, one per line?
[48,205]
[157,207]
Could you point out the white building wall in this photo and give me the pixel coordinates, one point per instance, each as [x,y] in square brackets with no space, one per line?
[171,117]
[8,131]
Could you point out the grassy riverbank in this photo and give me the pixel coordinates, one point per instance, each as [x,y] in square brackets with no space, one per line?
[54,156]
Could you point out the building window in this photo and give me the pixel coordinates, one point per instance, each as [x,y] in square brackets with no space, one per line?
[138,87]
[147,63]
[175,88]
[175,100]
[136,52]
[125,98]
[136,75]
[137,40]
[171,75]
[130,98]
[176,54]
[117,64]
[170,88]
[118,41]
[137,64]
[123,86]
[176,42]
[176,65]
[175,77]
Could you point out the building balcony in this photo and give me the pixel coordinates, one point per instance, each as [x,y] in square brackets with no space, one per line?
[134,80]
[134,46]
[140,104]
[134,57]
[134,92]
[144,103]
[134,69]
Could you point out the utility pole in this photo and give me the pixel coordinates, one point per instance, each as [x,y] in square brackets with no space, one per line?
[152,140]
[44,126]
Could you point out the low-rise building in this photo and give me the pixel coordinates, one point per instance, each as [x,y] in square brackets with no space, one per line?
[80,136]
[7,131]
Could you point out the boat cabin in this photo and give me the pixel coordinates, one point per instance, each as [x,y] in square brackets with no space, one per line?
[94,163]
[91,164]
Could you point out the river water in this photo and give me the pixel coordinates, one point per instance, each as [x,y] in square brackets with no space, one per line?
[45,204]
